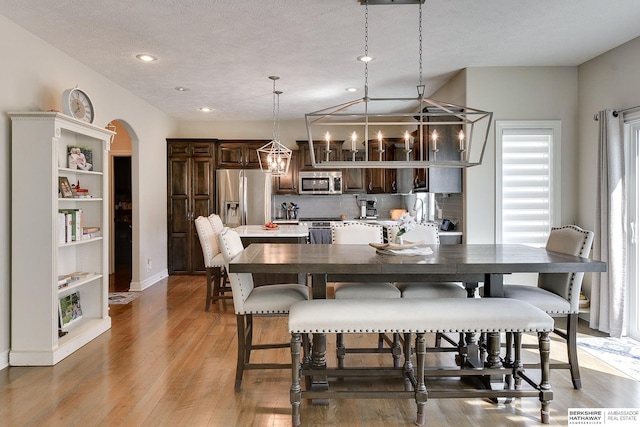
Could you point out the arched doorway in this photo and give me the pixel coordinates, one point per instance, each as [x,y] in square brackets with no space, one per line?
[121,211]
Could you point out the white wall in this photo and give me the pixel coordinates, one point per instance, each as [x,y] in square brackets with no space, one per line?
[609,81]
[33,76]
[520,93]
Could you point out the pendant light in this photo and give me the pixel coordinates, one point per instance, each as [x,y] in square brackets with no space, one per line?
[425,132]
[274,157]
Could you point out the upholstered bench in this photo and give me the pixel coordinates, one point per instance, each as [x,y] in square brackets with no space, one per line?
[419,316]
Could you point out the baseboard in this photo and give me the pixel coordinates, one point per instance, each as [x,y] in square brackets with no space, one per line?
[4,359]
[140,286]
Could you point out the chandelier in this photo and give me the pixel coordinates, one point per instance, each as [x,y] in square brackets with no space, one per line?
[274,157]
[413,132]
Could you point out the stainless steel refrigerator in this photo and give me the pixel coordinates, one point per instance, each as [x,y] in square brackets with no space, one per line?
[243,196]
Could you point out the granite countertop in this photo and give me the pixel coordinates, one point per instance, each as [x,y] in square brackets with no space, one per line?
[283,230]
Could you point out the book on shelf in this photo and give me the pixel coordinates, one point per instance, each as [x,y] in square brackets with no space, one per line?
[90,232]
[77,222]
[63,280]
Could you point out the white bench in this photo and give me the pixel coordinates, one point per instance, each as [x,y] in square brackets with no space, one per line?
[420,316]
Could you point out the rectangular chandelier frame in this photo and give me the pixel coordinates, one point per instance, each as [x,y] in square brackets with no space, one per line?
[465,127]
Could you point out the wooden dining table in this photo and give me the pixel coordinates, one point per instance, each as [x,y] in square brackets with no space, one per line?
[468,263]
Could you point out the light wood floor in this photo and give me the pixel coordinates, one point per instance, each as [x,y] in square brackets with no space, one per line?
[167,362]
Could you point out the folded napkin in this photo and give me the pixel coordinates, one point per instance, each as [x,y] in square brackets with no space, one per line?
[415,251]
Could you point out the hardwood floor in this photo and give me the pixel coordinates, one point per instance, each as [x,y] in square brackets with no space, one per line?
[167,362]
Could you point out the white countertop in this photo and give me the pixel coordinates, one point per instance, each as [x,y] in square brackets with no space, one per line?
[283,230]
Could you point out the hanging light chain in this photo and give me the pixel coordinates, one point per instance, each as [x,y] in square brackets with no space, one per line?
[420,40]
[366,49]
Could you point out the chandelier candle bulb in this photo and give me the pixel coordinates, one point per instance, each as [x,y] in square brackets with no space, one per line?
[434,139]
[380,141]
[354,137]
[461,137]
[406,140]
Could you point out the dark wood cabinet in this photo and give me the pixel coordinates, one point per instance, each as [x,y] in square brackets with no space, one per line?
[381,180]
[190,193]
[319,148]
[354,181]
[288,184]
[238,154]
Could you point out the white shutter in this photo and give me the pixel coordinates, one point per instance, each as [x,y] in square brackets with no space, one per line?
[525,185]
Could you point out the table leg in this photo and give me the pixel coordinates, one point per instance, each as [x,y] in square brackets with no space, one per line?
[493,285]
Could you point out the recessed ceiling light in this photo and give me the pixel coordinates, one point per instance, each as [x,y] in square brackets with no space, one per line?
[181,88]
[365,58]
[205,109]
[351,89]
[145,57]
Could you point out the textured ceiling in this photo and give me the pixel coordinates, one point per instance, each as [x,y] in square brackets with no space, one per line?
[224,50]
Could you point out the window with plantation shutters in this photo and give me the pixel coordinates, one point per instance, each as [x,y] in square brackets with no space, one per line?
[527,190]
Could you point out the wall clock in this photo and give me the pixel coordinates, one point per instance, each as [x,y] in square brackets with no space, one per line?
[77,104]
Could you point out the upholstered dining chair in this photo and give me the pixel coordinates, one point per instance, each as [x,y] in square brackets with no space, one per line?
[250,302]
[213,260]
[221,287]
[429,234]
[559,293]
[354,233]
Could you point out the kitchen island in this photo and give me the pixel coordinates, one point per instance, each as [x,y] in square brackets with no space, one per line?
[285,233]
[298,232]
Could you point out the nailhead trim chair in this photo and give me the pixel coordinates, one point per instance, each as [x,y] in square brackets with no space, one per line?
[213,260]
[429,234]
[558,294]
[353,234]
[222,287]
[267,300]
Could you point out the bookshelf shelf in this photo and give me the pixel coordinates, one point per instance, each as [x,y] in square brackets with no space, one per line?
[37,335]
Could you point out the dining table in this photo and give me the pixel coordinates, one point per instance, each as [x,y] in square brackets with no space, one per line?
[468,263]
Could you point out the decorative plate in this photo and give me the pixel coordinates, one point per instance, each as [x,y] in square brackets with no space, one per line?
[396,246]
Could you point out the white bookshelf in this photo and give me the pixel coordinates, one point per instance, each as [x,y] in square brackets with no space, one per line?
[40,143]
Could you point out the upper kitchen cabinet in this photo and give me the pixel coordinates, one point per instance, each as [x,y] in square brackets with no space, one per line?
[354,181]
[288,184]
[190,193]
[319,148]
[238,154]
[381,180]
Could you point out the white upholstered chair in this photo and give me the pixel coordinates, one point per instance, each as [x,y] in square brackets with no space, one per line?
[213,260]
[559,293]
[268,300]
[353,234]
[429,234]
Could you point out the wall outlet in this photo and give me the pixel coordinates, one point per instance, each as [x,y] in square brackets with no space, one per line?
[149,264]
[439,213]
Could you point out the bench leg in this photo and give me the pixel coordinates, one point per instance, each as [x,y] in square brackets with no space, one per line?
[517,364]
[295,394]
[421,388]
[341,350]
[546,395]
[408,366]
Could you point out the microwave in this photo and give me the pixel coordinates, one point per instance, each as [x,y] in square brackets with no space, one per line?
[320,182]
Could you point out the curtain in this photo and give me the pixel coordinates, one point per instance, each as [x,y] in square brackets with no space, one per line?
[610,241]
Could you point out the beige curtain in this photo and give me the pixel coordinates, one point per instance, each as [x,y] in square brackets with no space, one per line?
[610,241]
